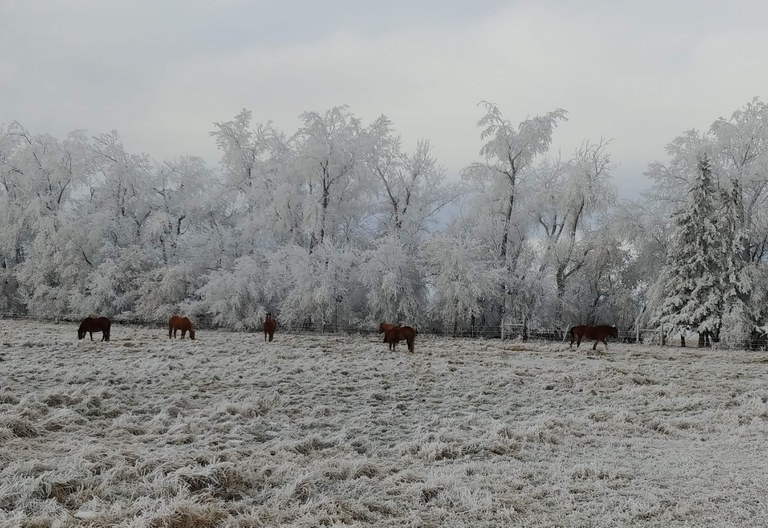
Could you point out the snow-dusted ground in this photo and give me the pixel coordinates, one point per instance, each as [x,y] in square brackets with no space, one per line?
[325,430]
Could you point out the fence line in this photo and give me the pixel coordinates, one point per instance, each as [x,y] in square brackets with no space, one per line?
[504,331]
[507,330]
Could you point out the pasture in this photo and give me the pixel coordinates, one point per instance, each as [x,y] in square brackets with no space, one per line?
[324,430]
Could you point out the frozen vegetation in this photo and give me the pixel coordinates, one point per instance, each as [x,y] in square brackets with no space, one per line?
[314,430]
[341,224]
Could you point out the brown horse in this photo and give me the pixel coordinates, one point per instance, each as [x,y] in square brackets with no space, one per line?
[180,323]
[598,333]
[269,327]
[383,327]
[94,324]
[399,333]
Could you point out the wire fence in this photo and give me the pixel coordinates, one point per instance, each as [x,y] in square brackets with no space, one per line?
[506,331]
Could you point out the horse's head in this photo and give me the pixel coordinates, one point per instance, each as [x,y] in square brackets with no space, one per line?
[191,333]
[269,316]
[614,332]
[385,327]
[80,333]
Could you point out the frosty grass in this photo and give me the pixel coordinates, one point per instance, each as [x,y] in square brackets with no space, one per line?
[314,430]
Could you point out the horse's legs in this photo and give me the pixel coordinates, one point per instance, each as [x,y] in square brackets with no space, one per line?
[594,347]
[183,332]
[91,335]
[270,336]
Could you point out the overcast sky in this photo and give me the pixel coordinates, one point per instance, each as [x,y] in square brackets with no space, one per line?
[161,72]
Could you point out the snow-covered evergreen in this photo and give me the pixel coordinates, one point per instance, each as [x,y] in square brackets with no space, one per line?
[705,281]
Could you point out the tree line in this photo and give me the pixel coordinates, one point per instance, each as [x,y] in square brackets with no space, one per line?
[340,224]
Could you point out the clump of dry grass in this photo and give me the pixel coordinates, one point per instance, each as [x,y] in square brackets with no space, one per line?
[63,418]
[310,445]
[222,480]
[59,400]
[20,427]
[186,514]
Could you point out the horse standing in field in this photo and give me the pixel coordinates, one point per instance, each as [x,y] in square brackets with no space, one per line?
[95,324]
[598,333]
[394,334]
[180,323]
[384,327]
[269,327]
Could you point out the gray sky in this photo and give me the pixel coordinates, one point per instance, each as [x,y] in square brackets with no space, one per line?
[160,73]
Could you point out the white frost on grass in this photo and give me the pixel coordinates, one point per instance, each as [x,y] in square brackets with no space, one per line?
[329,430]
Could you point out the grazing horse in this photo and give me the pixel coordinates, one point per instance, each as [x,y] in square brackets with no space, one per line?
[269,327]
[180,323]
[598,333]
[94,324]
[399,333]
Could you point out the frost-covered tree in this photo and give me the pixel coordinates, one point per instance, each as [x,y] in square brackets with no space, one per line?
[741,314]
[183,190]
[329,160]
[410,189]
[394,280]
[508,152]
[317,288]
[256,167]
[463,275]
[738,150]
[601,292]
[569,195]
[237,298]
[39,176]
[740,147]
[692,281]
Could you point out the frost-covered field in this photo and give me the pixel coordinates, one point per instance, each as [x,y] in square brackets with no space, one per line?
[325,430]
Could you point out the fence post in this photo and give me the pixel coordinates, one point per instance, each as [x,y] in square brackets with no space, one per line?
[502,328]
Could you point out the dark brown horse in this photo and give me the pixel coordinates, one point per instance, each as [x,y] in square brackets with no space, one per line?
[598,333]
[383,327]
[94,324]
[395,334]
[180,323]
[269,327]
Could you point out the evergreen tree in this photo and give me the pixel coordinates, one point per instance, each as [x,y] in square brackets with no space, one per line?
[693,276]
